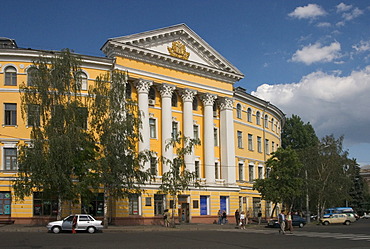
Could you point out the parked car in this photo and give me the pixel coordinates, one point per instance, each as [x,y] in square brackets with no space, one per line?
[365,216]
[338,219]
[297,221]
[85,222]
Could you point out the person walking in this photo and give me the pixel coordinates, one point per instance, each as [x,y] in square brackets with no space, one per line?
[242,220]
[289,221]
[167,218]
[219,214]
[259,216]
[74,224]
[237,217]
[224,217]
[281,220]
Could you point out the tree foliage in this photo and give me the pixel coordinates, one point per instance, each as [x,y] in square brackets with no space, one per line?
[298,135]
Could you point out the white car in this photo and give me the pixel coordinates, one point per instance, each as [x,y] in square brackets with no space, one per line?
[337,218]
[85,222]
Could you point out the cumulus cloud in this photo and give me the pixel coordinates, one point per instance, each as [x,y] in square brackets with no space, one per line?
[363,46]
[332,103]
[317,53]
[348,15]
[311,11]
[343,7]
[323,25]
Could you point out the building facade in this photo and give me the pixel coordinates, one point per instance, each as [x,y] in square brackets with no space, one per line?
[181,84]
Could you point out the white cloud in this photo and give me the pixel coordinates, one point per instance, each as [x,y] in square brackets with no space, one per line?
[310,11]
[333,104]
[317,53]
[356,12]
[323,25]
[343,7]
[363,46]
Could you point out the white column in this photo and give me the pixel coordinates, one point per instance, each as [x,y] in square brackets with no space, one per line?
[227,141]
[166,94]
[208,139]
[187,96]
[143,87]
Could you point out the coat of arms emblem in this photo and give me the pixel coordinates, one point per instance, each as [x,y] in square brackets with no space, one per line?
[178,50]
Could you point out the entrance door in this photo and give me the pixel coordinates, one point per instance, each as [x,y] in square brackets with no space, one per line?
[183,211]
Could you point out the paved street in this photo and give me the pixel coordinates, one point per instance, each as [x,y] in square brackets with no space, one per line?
[356,235]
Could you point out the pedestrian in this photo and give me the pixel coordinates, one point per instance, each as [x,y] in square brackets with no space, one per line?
[281,220]
[289,221]
[219,214]
[166,218]
[74,224]
[224,217]
[237,217]
[242,220]
[259,216]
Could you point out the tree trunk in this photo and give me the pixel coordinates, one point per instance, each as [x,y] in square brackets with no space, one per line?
[106,215]
[59,215]
[273,210]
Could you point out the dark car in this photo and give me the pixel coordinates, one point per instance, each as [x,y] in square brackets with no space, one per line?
[298,221]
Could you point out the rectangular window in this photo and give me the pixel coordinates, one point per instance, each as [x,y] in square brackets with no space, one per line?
[259,144]
[44,205]
[196,131]
[158,204]
[81,117]
[133,204]
[204,205]
[241,172]
[216,171]
[260,172]
[57,116]
[153,166]
[33,115]
[251,173]
[10,159]
[10,76]
[5,203]
[197,169]
[215,136]
[223,204]
[250,142]
[195,204]
[153,128]
[10,114]
[94,206]
[148,201]
[240,139]
[174,129]
[272,146]
[267,151]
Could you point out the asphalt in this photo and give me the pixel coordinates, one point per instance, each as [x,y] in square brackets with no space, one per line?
[137,228]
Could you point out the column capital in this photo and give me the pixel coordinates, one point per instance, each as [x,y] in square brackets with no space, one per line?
[166,90]
[187,95]
[208,99]
[143,86]
[226,104]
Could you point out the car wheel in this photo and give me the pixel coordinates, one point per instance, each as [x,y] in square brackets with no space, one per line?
[56,229]
[347,222]
[326,223]
[301,225]
[91,229]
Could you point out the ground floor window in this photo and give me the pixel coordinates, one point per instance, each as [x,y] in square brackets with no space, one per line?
[44,205]
[256,206]
[223,204]
[158,204]
[204,205]
[5,203]
[133,204]
[94,206]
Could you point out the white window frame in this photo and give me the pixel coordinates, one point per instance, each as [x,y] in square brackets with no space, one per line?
[239,111]
[153,128]
[8,145]
[240,139]
[250,142]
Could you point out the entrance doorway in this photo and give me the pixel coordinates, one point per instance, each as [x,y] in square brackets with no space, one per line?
[183,209]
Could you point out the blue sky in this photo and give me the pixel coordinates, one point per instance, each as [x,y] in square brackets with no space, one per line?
[310,58]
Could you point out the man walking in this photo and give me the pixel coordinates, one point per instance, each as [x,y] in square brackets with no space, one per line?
[281,220]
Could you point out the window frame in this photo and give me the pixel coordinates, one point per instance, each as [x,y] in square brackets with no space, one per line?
[152,128]
[240,139]
[10,76]
[10,115]
[249,114]
[239,111]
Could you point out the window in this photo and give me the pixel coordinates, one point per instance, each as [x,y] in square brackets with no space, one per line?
[266,121]
[83,218]
[215,136]
[10,159]
[196,131]
[5,203]
[250,142]
[224,201]
[268,172]
[81,118]
[128,90]
[57,116]
[94,206]
[241,171]
[217,175]
[267,151]
[31,75]
[151,93]
[82,80]
[153,166]
[174,100]
[10,76]
[251,173]
[10,114]
[175,129]
[204,207]
[195,104]
[272,146]
[259,144]
[272,124]
[249,115]
[158,204]
[260,172]
[258,118]
[197,169]
[44,205]
[238,111]
[33,115]
[133,206]
[152,128]
[240,139]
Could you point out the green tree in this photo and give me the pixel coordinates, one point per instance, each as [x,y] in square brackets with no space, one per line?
[357,191]
[178,179]
[282,185]
[298,135]
[116,122]
[59,155]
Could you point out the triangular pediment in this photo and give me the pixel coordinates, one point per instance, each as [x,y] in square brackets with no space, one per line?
[176,43]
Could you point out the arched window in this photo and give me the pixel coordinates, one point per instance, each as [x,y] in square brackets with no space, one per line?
[82,78]
[128,90]
[258,118]
[238,111]
[31,73]
[10,76]
[266,121]
[273,124]
[195,103]
[151,93]
[174,99]
[249,115]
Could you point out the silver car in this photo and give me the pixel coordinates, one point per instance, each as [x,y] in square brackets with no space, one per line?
[85,222]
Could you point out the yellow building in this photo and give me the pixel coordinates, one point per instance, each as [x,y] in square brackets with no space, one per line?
[182,85]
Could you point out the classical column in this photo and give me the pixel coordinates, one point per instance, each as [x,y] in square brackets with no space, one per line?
[208,140]
[143,87]
[187,96]
[166,94]
[227,140]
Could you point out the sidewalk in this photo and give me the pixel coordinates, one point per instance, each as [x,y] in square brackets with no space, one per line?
[146,228]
